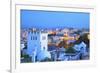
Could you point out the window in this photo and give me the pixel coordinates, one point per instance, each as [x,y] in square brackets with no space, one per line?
[33,38]
[44,48]
[43,37]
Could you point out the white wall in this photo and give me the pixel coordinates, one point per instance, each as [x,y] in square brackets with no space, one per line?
[44,43]
[89,2]
[5,37]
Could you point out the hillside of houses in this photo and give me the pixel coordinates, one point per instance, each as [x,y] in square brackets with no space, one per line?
[49,45]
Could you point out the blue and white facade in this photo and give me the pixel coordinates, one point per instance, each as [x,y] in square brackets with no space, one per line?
[37,45]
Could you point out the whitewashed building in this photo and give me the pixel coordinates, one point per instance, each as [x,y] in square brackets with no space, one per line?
[81,47]
[37,42]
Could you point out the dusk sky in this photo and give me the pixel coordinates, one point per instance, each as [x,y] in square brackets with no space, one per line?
[53,19]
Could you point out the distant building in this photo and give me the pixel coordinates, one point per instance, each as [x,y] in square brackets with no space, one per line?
[82,48]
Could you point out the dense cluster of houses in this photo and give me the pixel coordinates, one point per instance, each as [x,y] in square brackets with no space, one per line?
[37,49]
